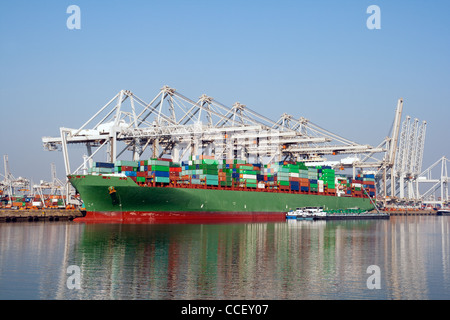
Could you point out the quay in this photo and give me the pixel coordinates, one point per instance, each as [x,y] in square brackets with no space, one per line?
[12,215]
[412,212]
[356,216]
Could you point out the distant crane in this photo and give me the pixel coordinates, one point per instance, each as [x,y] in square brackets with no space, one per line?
[10,183]
[409,163]
[55,186]
[439,183]
[384,168]
[397,173]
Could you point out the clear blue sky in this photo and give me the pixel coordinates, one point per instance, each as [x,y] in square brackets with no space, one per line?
[315,59]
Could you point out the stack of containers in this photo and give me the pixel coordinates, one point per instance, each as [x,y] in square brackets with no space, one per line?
[327,175]
[348,185]
[129,168]
[282,174]
[357,184]
[260,180]
[269,177]
[158,170]
[188,172]
[369,184]
[304,178]
[18,201]
[101,167]
[295,182]
[313,179]
[209,172]
[293,176]
[248,175]
[225,174]
[142,173]
[201,170]
[153,170]
[174,171]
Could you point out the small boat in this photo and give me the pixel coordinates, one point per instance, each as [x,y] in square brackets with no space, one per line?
[316,212]
[443,212]
[292,215]
[297,214]
[307,213]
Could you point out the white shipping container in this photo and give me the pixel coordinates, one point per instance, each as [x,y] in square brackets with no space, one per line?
[37,204]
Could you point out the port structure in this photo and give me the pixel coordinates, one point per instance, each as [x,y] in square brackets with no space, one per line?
[46,188]
[408,164]
[398,171]
[9,185]
[436,182]
[173,124]
[400,180]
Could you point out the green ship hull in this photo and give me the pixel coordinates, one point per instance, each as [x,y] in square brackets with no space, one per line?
[113,198]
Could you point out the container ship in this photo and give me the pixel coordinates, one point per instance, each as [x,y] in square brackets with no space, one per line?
[205,189]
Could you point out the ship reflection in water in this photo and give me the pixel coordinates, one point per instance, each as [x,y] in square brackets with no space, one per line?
[275,260]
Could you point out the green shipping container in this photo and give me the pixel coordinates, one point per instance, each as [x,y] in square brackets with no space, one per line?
[120,163]
[160,168]
[158,163]
[162,179]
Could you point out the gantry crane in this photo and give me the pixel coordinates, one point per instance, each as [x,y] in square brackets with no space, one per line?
[174,124]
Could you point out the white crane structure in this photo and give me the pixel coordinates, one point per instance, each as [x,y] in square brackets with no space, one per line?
[437,193]
[174,124]
[10,183]
[384,168]
[408,164]
[397,173]
[54,187]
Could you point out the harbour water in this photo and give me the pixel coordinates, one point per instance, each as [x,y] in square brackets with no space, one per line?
[295,260]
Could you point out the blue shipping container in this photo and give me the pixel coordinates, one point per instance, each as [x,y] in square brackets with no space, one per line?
[130,173]
[160,173]
[103,165]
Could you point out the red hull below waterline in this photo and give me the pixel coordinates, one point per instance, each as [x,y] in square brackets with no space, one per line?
[180,217]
